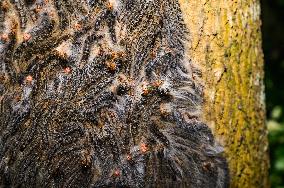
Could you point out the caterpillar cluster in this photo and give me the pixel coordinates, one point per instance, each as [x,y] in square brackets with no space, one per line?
[98,93]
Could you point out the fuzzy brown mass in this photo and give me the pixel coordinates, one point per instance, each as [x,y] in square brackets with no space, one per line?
[100,93]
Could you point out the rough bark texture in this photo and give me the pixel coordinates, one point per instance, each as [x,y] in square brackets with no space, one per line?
[109,94]
[226,43]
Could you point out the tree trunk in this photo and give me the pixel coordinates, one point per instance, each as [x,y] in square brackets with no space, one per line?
[125,93]
[226,43]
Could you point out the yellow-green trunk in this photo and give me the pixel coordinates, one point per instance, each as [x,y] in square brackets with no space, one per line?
[225,40]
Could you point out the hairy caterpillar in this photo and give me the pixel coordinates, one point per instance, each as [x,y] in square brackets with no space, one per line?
[105,98]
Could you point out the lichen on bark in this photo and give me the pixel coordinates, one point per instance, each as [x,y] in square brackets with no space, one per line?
[225,41]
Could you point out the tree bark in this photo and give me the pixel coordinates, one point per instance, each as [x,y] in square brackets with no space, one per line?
[125,93]
[226,43]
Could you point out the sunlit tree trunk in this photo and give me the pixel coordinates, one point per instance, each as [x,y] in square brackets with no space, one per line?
[131,93]
[226,43]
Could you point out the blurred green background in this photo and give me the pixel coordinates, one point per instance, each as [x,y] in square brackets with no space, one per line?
[273,46]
